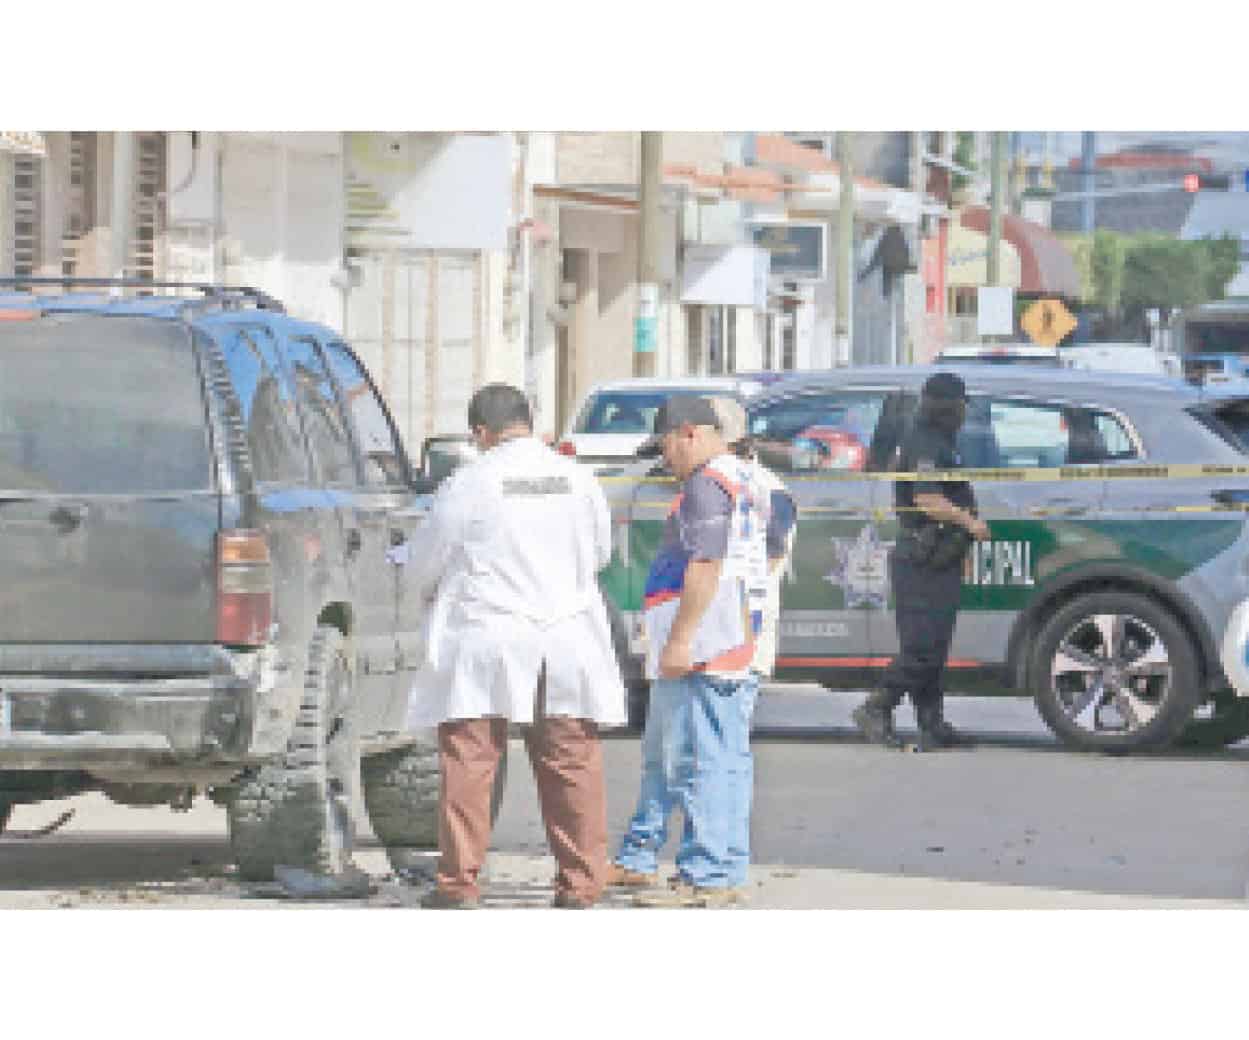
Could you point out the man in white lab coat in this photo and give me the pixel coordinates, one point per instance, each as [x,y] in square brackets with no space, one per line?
[517,632]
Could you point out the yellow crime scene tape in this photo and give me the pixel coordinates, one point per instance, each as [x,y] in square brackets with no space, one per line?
[1021,475]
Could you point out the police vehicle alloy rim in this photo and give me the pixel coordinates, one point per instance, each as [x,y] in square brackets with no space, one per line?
[1111,673]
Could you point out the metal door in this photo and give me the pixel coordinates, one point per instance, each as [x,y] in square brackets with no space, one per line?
[415,321]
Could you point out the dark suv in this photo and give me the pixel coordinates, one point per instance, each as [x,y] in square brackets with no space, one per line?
[205,512]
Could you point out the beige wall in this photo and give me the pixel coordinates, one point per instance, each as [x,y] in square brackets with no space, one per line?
[612,350]
[968,259]
[602,246]
[613,158]
[593,158]
[703,150]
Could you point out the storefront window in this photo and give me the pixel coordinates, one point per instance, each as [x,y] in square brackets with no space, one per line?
[789,342]
[693,340]
[963,301]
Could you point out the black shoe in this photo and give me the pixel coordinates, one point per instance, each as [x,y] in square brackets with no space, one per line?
[874,718]
[934,732]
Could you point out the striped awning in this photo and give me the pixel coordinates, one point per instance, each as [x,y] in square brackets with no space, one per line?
[23,142]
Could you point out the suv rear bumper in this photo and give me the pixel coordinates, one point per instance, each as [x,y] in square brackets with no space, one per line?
[68,722]
[152,716]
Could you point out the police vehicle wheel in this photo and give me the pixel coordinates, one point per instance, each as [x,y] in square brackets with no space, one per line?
[401,791]
[1228,723]
[1114,671]
[296,812]
[636,706]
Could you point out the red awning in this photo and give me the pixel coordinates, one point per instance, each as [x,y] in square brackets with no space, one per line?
[1045,264]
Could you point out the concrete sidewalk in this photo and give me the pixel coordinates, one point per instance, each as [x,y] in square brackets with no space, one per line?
[108,855]
[519,881]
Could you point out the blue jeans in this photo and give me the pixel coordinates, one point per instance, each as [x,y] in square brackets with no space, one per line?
[696,755]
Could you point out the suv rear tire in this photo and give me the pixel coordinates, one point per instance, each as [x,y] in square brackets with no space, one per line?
[1118,657]
[401,793]
[298,812]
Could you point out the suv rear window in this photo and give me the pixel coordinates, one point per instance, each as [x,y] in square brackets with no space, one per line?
[100,405]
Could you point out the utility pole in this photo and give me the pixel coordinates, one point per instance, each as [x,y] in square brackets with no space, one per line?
[1014,180]
[6,212]
[650,243]
[120,217]
[995,207]
[845,249]
[1088,160]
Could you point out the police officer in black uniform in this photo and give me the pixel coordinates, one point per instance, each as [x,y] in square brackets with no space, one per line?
[937,523]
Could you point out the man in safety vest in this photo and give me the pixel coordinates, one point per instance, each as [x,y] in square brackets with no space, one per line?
[703,609]
[517,632]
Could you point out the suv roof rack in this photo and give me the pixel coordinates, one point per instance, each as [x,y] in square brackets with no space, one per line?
[223,294]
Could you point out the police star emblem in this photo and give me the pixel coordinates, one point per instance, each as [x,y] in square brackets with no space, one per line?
[861,569]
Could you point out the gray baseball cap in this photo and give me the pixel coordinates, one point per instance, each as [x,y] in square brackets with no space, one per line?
[677,411]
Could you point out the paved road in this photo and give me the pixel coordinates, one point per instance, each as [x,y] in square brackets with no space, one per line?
[1016,809]
[1015,821]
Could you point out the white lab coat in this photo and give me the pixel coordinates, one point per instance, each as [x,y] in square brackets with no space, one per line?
[507,563]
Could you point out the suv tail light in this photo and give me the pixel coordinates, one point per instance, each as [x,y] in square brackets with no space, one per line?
[244,588]
[567,448]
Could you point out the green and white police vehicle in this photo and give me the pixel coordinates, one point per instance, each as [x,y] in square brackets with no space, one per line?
[1104,595]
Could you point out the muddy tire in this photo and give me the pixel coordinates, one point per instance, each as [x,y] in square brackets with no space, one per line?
[297,812]
[401,792]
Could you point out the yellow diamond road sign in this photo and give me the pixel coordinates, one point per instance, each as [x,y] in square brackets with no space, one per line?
[1047,321]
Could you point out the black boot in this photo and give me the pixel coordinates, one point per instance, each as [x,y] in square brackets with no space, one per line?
[874,718]
[934,732]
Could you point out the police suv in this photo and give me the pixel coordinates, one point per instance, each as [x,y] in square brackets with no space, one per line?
[1103,594]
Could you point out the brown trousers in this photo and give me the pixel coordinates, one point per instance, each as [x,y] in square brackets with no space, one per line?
[567,761]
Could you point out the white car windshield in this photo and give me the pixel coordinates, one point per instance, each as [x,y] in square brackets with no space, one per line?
[629,411]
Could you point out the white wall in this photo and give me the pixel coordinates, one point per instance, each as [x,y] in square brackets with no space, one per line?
[749,344]
[431,190]
[281,224]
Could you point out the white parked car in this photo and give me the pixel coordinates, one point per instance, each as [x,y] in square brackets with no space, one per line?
[616,418]
[1121,357]
[998,354]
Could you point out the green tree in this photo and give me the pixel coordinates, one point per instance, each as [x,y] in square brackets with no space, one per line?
[1161,272]
[1106,259]
[1222,261]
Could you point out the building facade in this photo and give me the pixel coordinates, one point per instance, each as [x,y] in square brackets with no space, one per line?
[454,259]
